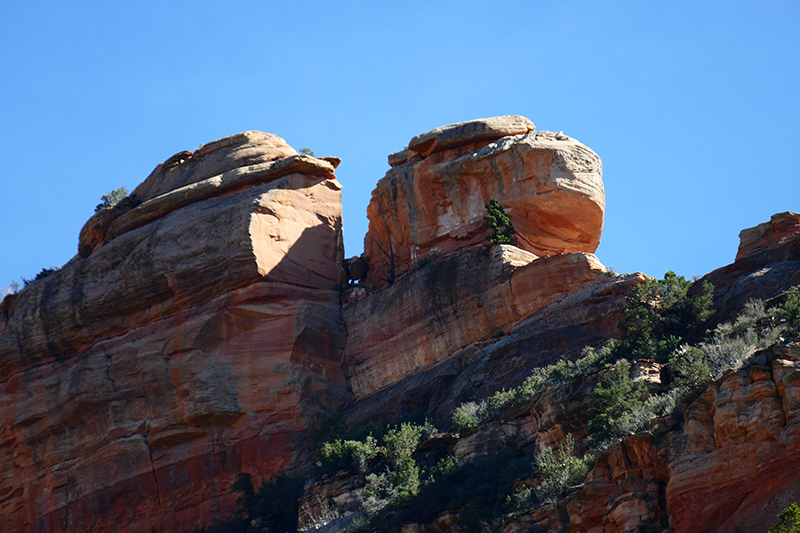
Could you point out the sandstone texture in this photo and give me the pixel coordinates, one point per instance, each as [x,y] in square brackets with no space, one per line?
[198,337]
[780,228]
[433,199]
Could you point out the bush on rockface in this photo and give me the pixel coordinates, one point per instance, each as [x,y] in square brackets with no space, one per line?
[560,469]
[788,520]
[659,316]
[112,198]
[43,273]
[500,224]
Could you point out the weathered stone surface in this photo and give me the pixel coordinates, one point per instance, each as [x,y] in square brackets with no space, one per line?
[235,151]
[731,466]
[550,186]
[775,233]
[136,382]
[447,305]
[750,464]
[472,131]
[191,169]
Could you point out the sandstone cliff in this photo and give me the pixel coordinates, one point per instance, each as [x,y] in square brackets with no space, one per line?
[207,327]
[197,335]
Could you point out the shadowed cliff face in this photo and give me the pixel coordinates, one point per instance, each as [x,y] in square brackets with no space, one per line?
[140,379]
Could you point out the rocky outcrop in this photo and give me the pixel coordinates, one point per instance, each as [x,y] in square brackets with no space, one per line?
[433,199]
[199,337]
[206,328]
[767,264]
[781,228]
[454,301]
[571,321]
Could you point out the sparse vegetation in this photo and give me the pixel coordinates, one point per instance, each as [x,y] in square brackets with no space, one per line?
[306,151]
[43,273]
[425,260]
[12,288]
[560,469]
[500,224]
[111,199]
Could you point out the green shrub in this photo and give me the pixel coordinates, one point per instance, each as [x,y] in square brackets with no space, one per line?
[43,273]
[468,416]
[111,199]
[425,260]
[787,314]
[788,520]
[561,469]
[306,151]
[614,399]
[501,226]
[659,316]
[348,454]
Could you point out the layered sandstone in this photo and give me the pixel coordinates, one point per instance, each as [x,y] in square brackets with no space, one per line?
[450,303]
[198,337]
[433,199]
[561,320]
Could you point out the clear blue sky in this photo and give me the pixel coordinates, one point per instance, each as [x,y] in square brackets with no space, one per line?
[693,106]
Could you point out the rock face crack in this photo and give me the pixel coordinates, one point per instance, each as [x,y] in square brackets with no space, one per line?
[155,480]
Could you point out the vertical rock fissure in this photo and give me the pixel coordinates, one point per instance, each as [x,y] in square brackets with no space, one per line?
[153,466]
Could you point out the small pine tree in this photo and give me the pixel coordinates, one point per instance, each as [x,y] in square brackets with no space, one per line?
[502,229]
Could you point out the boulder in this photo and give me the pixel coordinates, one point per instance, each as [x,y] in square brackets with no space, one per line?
[549,185]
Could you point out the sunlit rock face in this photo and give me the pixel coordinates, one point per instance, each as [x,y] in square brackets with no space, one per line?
[434,197]
[198,337]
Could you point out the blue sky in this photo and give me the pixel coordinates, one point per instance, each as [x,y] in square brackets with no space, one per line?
[693,106]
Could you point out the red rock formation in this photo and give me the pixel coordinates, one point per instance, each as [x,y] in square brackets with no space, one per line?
[434,312]
[199,340]
[775,233]
[767,264]
[434,198]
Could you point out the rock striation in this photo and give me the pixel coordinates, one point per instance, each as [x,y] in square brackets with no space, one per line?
[433,199]
[447,305]
[197,335]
